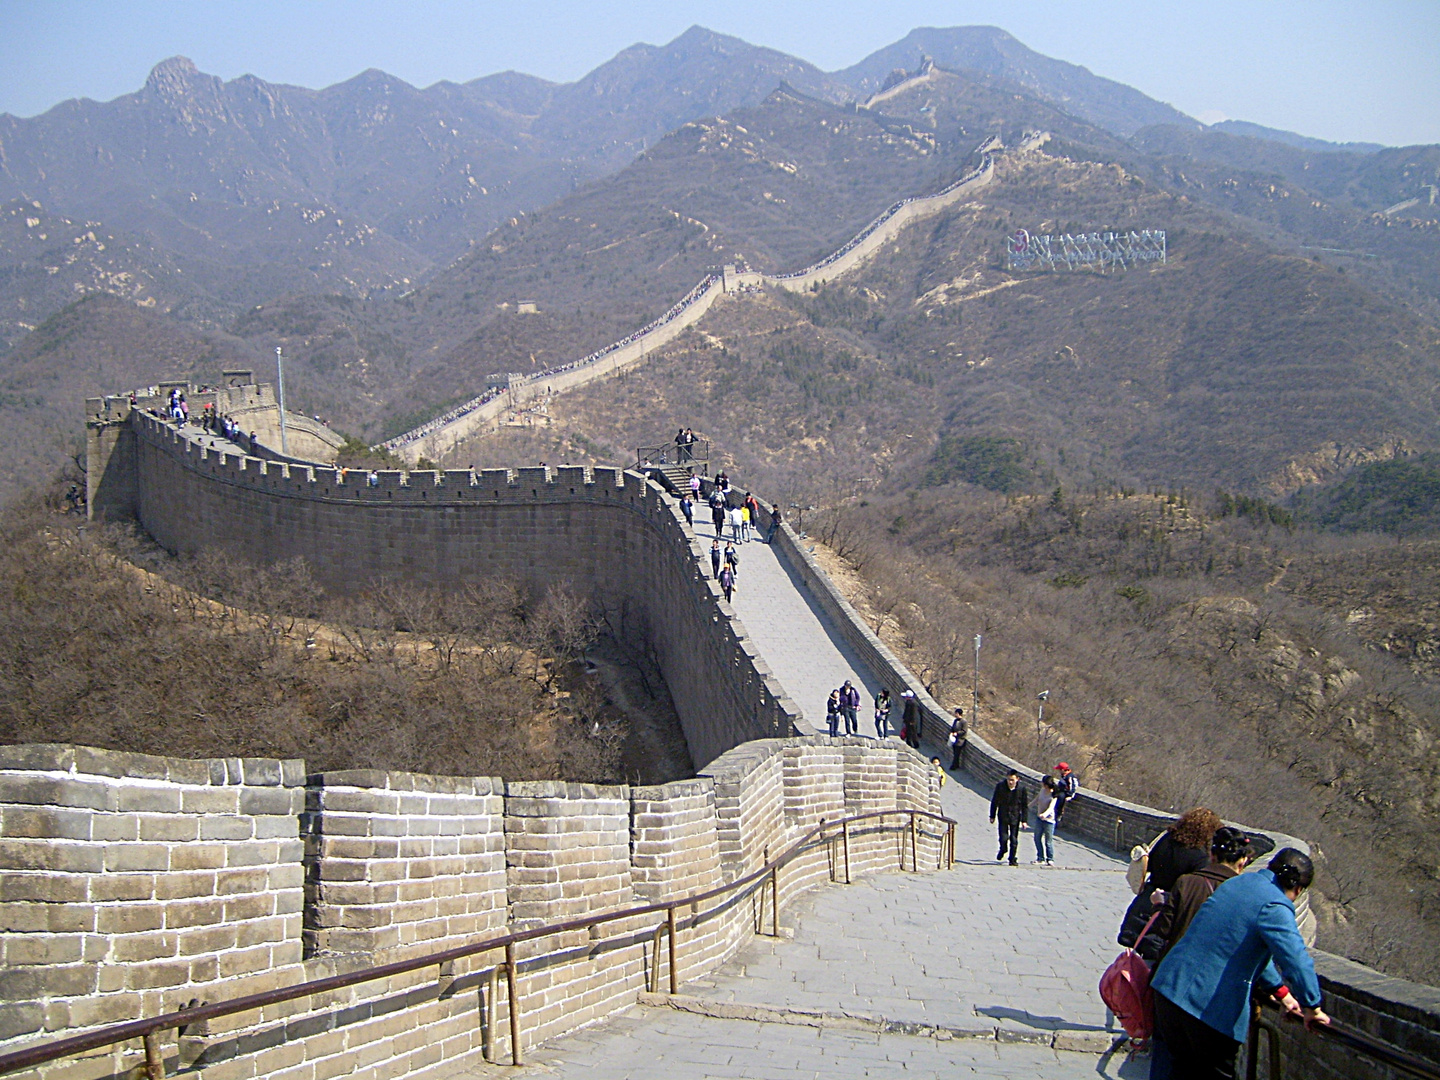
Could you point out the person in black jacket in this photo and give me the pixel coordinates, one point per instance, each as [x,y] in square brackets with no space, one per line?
[910,719]
[1010,806]
[1184,849]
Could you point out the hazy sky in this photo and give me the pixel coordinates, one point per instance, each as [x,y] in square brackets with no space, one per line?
[1337,70]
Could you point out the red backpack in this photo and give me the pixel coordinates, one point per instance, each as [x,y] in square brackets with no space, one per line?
[1125,989]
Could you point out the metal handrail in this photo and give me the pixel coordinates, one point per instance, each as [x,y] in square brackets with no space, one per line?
[147,1029]
[1351,1037]
[672,453]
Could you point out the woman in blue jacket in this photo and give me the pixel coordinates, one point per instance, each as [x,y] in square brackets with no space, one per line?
[1244,931]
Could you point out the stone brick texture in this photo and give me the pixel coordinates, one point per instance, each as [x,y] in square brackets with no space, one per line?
[137,885]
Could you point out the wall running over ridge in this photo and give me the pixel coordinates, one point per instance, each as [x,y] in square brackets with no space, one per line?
[136,885]
[609,535]
[372,883]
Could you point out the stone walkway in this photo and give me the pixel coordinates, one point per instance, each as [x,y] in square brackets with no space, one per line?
[977,971]
[805,656]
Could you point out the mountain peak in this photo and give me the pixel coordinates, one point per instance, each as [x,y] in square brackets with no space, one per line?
[172,77]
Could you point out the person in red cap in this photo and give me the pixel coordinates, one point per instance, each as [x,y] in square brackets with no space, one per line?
[1066,788]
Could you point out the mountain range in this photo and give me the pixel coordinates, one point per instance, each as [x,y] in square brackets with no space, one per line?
[383,234]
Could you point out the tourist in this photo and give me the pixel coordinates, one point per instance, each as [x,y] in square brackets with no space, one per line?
[850,707]
[833,710]
[715,559]
[910,723]
[717,511]
[745,521]
[774,524]
[1184,849]
[737,524]
[939,773]
[959,734]
[1067,786]
[727,581]
[687,507]
[680,445]
[1045,823]
[882,711]
[732,558]
[1202,989]
[1009,807]
[752,512]
[694,485]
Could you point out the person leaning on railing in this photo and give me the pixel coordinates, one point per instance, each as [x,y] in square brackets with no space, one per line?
[1245,931]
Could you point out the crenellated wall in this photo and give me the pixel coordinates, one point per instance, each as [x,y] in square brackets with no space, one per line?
[610,535]
[135,885]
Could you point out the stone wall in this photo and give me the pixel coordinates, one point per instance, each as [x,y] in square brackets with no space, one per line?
[138,885]
[610,535]
[447,437]
[130,885]
[1400,1014]
[914,210]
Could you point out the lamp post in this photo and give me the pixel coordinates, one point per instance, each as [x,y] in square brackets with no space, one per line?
[280,380]
[975,685]
[1041,697]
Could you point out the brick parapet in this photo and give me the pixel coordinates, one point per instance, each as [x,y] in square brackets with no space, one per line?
[137,883]
[402,860]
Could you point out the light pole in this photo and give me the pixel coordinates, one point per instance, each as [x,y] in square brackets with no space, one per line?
[280,379]
[975,685]
[1041,697]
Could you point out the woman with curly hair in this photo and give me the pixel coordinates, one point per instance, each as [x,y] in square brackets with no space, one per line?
[1184,849]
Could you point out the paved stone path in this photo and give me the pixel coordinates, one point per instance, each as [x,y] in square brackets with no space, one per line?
[807,658]
[659,1044]
[971,950]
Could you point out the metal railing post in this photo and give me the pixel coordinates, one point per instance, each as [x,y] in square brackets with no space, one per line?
[154,1060]
[1272,1037]
[775,901]
[674,971]
[652,983]
[951,830]
[487,1014]
[914,858]
[516,1058]
[845,846]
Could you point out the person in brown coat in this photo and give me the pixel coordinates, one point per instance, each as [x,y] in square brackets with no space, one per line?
[1229,855]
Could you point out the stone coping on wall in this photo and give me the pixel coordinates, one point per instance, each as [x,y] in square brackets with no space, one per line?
[127,765]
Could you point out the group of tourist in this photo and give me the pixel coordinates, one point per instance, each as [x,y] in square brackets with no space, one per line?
[741,513]
[177,409]
[685,445]
[1207,931]
[1010,811]
[1212,935]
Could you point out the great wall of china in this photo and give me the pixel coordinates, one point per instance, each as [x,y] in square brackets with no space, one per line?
[442,434]
[138,887]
